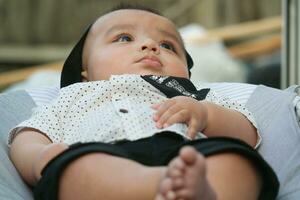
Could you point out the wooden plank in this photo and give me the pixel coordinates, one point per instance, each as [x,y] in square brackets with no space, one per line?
[240,31]
[252,49]
[7,78]
[32,54]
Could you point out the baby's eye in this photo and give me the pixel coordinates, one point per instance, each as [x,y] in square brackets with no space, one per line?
[168,46]
[123,38]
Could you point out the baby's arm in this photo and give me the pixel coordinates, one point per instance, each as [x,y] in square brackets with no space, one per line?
[204,116]
[227,122]
[30,151]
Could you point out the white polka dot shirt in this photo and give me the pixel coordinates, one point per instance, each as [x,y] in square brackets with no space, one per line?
[108,111]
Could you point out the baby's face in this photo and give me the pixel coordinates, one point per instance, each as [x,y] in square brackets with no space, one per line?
[133,42]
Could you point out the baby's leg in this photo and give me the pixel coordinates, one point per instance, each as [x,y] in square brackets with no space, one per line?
[233,177]
[102,176]
[223,176]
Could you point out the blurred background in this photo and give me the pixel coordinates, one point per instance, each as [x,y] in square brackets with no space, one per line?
[230,40]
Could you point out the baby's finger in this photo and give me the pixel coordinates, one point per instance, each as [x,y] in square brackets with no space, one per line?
[193,128]
[178,116]
[192,133]
[163,120]
[162,108]
[156,106]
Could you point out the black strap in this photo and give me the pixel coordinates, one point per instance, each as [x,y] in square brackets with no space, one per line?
[176,86]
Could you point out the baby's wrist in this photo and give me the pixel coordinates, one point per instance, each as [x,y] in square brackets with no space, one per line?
[207,116]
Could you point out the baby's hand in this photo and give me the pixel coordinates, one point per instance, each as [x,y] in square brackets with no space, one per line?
[181,109]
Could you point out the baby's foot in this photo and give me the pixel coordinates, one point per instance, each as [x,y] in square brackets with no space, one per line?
[186,178]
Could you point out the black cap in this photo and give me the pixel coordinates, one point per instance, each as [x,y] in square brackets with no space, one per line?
[71,72]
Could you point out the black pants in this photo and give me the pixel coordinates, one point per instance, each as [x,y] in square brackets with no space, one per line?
[157,150]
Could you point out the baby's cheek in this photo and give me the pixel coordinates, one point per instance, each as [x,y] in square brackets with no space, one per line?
[178,68]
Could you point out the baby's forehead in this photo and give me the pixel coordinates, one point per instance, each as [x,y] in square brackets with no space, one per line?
[132,18]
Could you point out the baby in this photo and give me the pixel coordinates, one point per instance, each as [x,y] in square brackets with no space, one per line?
[136,127]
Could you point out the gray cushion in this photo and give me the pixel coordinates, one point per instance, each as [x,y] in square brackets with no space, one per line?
[277,122]
[14,107]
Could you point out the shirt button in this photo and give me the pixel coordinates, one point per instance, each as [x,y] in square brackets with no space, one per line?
[122,110]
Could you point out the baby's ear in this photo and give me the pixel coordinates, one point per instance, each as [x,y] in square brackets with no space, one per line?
[84,76]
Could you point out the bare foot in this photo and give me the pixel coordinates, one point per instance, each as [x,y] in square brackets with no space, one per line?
[186,178]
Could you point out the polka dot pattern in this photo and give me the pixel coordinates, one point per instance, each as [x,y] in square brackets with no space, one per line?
[106,111]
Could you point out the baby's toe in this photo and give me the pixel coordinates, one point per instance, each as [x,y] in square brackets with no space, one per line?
[187,194]
[177,163]
[159,197]
[165,186]
[177,183]
[188,155]
[171,195]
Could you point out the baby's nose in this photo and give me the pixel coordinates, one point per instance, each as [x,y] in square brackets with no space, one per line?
[150,45]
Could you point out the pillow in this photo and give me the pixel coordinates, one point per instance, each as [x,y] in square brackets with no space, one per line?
[14,107]
[274,111]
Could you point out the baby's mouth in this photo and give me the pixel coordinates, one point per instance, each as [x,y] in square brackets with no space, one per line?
[151,61]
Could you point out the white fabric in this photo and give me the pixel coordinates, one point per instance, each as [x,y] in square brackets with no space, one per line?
[108,111]
[43,95]
[239,92]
